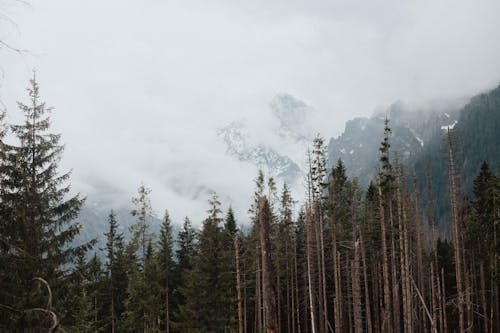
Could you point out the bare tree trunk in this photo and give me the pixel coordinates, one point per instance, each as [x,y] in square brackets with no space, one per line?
[443,288]
[420,263]
[433,298]
[318,272]
[267,266]
[394,275]
[245,318]
[309,249]
[278,295]
[366,285]
[113,313]
[406,252]
[378,299]
[440,300]
[323,274]
[297,297]
[386,320]
[404,289]
[468,298]
[238,282]
[483,297]
[456,237]
[336,298]
[356,289]
[167,304]
[258,287]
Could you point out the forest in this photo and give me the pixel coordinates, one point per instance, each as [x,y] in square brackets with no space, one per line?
[348,259]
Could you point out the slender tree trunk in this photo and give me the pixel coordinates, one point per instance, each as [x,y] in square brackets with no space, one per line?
[386,319]
[339,292]
[367,288]
[297,298]
[483,297]
[309,249]
[394,275]
[419,248]
[267,267]
[323,273]
[113,314]
[456,237]
[318,271]
[356,289]
[433,298]
[336,298]
[402,257]
[238,283]
[443,289]
[258,296]
[167,305]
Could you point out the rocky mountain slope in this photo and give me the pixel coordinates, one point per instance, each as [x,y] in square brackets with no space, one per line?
[283,156]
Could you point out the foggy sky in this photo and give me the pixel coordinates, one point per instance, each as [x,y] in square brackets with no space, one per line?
[139,87]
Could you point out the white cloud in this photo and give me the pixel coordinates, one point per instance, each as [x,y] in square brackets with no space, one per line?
[140,86]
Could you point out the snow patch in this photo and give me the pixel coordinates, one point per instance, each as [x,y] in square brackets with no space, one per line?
[351,152]
[446,127]
[416,136]
[420,140]
[342,150]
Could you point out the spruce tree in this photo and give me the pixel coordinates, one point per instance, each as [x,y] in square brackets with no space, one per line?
[36,218]
[117,279]
[185,253]
[209,307]
[166,266]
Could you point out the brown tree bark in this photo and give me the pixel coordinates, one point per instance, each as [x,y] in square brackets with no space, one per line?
[368,314]
[386,309]
[238,282]
[456,236]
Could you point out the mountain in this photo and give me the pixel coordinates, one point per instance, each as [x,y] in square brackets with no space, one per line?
[419,138]
[93,218]
[476,138]
[411,129]
[283,156]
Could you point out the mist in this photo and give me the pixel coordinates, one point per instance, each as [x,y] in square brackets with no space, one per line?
[140,87]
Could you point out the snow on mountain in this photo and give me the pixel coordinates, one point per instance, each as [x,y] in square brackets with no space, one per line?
[411,129]
[283,154]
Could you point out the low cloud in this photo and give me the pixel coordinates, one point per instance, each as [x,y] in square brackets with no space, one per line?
[140,87]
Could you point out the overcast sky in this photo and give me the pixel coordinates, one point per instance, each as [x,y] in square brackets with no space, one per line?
[139,86]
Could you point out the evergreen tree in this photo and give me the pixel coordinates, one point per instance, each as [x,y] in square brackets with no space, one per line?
[117,278]
[230,222]
[166,266]
[185,253]
[209,306]
[143,211]
[35,218]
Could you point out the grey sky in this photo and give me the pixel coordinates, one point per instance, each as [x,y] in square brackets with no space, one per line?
[140,86]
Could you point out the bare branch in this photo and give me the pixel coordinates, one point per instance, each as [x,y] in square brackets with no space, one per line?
[49,301]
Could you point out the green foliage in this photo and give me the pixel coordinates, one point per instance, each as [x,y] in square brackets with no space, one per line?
[209,306]
[35,216]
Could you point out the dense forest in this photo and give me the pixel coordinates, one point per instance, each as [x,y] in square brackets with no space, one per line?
[348,259]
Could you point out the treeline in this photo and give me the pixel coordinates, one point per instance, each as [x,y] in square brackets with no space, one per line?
[345,260]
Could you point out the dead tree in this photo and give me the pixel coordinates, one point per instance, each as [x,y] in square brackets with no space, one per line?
[456,236]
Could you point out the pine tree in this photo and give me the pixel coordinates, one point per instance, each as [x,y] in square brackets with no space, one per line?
[209,306]
[35,218]
[143,211]
[166,265]
[185,255]
[116,271]
[137,315]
